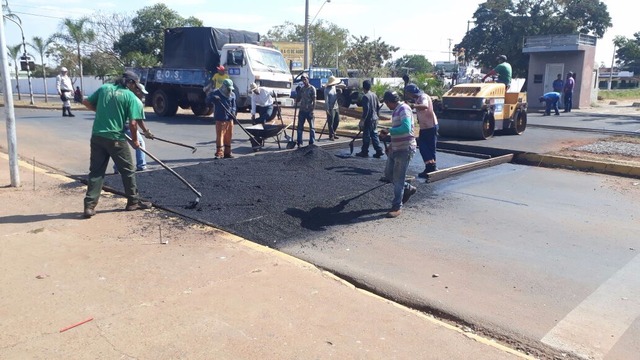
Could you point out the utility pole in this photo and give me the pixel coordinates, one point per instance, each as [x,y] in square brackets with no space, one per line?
[306,34]
[14,171]
[613,59]
[450,40]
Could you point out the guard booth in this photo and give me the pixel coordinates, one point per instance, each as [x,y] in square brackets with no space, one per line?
[550,55]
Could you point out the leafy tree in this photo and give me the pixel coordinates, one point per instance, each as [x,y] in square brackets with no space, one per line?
[628,53]
[411,64]
[40,45]
[148,26]
[15,52]
[328,40]
[368,55]
[78,34]
[502,24]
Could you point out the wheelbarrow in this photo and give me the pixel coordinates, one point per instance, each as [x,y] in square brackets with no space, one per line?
[260,132]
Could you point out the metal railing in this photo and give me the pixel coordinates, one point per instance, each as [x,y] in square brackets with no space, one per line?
[559,40]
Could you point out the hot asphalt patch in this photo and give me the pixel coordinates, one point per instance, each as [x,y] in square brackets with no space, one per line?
[273,198]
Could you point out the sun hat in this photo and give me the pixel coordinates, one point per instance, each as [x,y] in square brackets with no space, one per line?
[253,86]
[333,81]
[63,69]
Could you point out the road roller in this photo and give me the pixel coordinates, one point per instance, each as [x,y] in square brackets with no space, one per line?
[478,110]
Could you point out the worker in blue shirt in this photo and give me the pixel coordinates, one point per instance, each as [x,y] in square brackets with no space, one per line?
[551,100]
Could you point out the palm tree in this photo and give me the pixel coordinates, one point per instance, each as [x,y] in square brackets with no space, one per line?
[41,46]
[15,52]
[77,35]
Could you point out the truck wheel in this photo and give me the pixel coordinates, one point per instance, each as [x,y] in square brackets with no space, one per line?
[201,109]
[519,123]
[163,104]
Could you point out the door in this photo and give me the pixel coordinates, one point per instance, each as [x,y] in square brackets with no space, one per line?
[550,74]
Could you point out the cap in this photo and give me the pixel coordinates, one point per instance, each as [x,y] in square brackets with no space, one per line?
[220,68]
[130,75]
[304,76]
[412,89]
[228,84]
[63,69]
[390,96]
[502,58]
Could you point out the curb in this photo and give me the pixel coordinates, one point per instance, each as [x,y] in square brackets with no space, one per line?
[578,164]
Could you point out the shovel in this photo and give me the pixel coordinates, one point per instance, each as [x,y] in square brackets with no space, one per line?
[292,144]
[353,141]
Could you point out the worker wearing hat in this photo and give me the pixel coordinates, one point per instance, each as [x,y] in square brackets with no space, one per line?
[403,146]
[114,104]
[216,80]
[503,70]
[225,109]
[331,106]
[64,86]
[261,104]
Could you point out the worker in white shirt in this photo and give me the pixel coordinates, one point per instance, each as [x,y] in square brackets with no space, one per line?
[261,104]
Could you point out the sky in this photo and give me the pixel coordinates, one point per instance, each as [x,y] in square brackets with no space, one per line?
[424,27]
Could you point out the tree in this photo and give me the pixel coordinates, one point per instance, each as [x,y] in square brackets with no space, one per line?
[411,63]
[15,52]
[77,34]
[148,26]
[40,45]
[628,53]
[109,28]
[502,24]
[328,40]
[367,55]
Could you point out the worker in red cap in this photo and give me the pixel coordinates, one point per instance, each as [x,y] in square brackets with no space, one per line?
[216,80]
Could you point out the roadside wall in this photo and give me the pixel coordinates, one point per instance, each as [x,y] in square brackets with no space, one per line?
[91,84]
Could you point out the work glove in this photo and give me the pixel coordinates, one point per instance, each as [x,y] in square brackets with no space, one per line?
[148,134]
[361,125]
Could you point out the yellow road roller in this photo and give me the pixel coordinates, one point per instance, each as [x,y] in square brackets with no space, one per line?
[476,111]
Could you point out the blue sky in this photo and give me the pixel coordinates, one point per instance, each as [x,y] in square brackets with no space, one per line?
[416,26]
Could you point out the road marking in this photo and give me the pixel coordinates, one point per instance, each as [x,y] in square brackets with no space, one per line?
[595,325]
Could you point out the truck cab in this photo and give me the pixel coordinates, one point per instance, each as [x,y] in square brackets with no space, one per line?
[247,63]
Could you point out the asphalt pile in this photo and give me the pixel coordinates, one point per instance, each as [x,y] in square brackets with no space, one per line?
[273,198]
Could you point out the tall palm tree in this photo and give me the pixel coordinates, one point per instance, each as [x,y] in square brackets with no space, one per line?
[77,33]
[15,52]
[40,45]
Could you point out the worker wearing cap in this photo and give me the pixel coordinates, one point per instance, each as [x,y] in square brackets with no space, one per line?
[503,70]
[403,146]
[64,86]
[216,80]
[224,113]
[551,99]
[114,104]
[428,122]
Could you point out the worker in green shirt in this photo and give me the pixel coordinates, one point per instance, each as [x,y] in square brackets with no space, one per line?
[503,70]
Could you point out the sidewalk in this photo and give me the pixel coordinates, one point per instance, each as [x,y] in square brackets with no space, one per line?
[205,294]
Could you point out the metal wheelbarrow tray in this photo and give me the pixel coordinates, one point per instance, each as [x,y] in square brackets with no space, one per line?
[261,132]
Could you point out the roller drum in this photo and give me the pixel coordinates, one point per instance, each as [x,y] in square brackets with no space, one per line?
[466,124]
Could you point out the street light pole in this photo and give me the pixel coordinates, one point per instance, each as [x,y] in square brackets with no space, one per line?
[613,59]
[306,34]
[24,47]
[12,141]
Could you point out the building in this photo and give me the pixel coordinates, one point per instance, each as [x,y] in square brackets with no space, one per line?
[619,79]
[550,55]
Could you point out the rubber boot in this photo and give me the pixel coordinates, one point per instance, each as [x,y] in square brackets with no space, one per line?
[64,111]
[69,111]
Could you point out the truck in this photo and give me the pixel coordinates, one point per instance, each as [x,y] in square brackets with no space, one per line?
[190,58]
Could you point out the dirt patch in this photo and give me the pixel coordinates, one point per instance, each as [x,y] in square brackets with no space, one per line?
[623,150]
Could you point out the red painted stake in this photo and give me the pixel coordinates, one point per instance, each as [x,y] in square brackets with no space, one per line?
[76,324]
